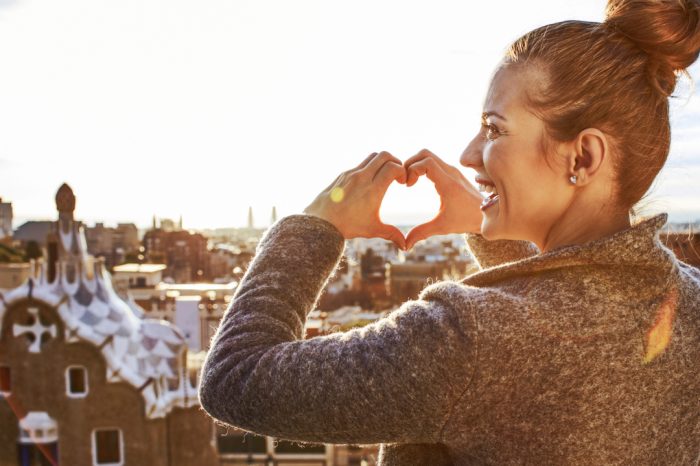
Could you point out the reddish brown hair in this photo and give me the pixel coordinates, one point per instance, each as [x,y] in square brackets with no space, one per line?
[616,76]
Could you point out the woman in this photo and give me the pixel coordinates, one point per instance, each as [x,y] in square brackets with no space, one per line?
[578,341]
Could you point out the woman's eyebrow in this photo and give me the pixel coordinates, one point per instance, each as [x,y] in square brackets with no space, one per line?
[492,113]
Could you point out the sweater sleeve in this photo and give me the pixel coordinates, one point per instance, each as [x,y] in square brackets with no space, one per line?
[394,380]
[492,253]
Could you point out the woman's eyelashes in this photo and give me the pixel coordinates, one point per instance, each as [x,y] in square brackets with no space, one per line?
[491,131]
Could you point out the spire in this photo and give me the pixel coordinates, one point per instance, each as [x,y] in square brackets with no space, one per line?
[180,223]
[250,218]
[153,227]
[273,219]
[65,201]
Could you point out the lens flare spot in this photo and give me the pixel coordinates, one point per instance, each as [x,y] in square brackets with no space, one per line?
[659,335]
[337,194]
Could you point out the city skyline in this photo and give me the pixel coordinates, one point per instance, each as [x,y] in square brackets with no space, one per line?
[176,108]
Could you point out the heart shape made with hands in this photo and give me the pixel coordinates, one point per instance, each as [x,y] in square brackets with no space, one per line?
[403,205]
[355,200]
[457,207]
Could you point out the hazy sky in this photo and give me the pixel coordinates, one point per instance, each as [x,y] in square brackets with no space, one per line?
[203,108]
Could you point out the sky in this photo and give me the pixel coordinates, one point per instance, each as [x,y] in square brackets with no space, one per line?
[202,108]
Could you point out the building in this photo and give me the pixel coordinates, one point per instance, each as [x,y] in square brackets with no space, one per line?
[373,278]
[114,244]
[139,276]
[185,254]
[142,284]
[407,279]
[5,219]
[439,258]
[34,230]
[84,379]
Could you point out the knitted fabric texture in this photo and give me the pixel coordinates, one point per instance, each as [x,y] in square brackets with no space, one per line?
[585,354]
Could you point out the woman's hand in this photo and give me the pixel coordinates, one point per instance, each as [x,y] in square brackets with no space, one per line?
[352,201]
[459,200]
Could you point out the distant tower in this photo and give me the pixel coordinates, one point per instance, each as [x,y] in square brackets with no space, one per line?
[154,226]
[274,215]
[65,202]
[180,223]
[5,218]
[250,218]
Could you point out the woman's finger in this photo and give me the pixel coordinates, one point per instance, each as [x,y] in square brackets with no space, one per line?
[367,160]
[376,163]
[393,234]
[431,169]
[389,172]
[423,231]
[426,154]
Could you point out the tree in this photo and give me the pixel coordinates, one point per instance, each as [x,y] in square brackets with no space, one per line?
[32,251]
[8,254]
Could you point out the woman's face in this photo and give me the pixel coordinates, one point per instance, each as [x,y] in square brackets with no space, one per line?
[508,152]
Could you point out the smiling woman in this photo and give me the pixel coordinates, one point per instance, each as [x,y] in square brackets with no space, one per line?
[578,339]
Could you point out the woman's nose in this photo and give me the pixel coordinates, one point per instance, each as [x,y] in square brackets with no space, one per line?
[472,155]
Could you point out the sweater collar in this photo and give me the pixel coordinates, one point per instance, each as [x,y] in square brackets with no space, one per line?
[636,246]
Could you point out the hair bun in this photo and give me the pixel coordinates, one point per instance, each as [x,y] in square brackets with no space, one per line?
[667,30]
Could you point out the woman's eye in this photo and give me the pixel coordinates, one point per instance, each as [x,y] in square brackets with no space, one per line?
[492,132]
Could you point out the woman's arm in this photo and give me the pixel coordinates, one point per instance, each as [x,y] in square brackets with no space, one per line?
[395,380]
[492,253]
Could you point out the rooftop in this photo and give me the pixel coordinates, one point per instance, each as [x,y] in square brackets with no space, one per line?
[140,268]
[196,286]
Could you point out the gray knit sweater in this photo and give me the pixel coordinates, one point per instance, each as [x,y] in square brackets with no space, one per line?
[586,354]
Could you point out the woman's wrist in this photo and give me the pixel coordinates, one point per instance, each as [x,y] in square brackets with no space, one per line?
[321,215]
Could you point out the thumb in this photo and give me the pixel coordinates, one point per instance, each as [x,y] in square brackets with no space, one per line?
[393,234]
[423,231]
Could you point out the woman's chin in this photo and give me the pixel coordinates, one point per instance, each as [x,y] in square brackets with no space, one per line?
[489,223]
[489,230]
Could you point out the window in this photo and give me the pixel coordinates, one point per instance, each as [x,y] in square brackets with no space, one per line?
[38,455]
[5,380]
[76,381]
[107,447]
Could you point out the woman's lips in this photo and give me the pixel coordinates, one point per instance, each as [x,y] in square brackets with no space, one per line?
[489,201]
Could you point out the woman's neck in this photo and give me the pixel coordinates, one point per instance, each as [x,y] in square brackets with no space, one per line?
[578,227]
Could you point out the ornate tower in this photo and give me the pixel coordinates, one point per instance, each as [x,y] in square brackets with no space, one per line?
[65,202]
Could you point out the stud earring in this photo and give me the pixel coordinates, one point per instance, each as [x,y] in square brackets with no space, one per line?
[573,179]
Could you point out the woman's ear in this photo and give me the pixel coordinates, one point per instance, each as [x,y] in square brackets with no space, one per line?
[590,150]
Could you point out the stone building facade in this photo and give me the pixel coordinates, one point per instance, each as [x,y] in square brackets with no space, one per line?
[85,379]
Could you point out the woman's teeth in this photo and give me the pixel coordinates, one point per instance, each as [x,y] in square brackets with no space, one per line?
[487,188]
[493,195]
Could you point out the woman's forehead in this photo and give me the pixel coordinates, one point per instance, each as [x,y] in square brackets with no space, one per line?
[508,90]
